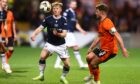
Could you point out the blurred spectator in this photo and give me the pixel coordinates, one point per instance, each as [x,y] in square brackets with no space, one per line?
[125,13]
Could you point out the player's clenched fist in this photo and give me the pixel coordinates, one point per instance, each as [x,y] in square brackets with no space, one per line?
[55,32]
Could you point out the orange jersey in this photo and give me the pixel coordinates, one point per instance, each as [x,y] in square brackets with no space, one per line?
[9,22]
[108,42]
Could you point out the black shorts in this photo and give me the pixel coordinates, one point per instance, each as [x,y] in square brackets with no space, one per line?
[10,42]
[103,55]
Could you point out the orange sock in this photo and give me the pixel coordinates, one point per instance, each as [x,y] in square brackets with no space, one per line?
[9,53]
[96,73]
[6,57]
[90,69]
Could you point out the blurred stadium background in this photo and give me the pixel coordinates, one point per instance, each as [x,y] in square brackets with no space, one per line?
[124,13]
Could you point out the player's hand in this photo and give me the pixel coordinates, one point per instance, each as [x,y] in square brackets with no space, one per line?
[125,53]
[55,32]
[6,40]
[89,50]
[33,38]
[85,33]
[15,37]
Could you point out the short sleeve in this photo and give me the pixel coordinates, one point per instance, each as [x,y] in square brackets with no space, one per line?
[108,24]
[44,23]
[65,14]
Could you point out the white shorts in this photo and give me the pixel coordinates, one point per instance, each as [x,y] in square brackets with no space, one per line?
[70,39]
[61,50]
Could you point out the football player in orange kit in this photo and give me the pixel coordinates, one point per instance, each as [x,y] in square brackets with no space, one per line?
[108,38]
[11,36]
[3,14]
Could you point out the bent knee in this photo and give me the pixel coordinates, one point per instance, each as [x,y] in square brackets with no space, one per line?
[94,65]
[89,57]
[11,48]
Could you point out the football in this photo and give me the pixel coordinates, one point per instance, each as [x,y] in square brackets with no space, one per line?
[45,6]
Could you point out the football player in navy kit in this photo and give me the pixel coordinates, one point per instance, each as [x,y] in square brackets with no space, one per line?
[73,24]
[56,27]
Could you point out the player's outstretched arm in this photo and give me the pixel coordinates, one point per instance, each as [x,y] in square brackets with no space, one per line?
[14,31]
[120,40]
[36,32]
[79,28]
[94,43]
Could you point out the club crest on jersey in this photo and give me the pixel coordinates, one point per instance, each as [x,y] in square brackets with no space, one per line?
[56,25]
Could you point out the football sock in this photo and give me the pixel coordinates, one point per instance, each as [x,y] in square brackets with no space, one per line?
[42,65]
[90,69]
[58,61]
[3,58]
[4,63]
[78,58]
[65,71]
[9,53]
[96,73]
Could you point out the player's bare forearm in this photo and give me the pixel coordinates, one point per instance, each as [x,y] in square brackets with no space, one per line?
[95,42]
[121,43]
[119,39]
[79,28]
[14,31]
[36,32]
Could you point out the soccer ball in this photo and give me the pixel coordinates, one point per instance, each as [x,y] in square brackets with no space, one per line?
[45,6]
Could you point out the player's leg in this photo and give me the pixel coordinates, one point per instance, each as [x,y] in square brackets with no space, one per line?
[71,42]
[98,58]
[94,59]
[10,47]
[64,55]
[58,63]
[93,62]
[5,66]
[42,64]
[65,71]
[78,57]
[95,68]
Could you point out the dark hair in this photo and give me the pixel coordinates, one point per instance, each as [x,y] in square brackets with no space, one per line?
[102,7]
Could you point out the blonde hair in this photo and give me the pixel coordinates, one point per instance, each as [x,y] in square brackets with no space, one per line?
[57,4]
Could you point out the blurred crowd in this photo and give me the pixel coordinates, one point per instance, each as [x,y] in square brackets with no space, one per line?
[124,13]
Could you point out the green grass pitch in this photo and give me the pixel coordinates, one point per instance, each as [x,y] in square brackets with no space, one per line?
[24,64]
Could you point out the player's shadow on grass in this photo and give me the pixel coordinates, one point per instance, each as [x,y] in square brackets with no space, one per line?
[12,75]
[18,71]
[21,70]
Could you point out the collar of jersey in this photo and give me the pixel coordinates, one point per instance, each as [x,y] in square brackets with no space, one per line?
[57,17]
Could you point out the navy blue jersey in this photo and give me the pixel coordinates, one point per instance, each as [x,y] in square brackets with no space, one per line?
[50,23]
[71,19]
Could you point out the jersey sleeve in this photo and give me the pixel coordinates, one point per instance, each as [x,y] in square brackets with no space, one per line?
[65,14]
[44,23]
[109,26]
